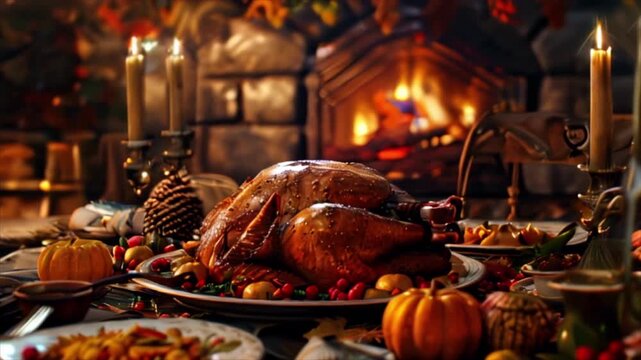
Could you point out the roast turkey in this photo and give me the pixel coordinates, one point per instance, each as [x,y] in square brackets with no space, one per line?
[316,222]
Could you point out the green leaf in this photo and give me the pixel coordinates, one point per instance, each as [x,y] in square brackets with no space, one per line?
[555,244]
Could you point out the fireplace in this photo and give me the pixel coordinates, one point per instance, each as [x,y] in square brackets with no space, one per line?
[403,103]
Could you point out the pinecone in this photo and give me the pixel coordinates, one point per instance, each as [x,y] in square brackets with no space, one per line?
[173,209]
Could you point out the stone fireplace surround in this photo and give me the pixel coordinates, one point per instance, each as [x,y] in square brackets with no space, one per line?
[259,96]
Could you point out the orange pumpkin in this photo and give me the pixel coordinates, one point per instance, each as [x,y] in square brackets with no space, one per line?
[433,324]
[76,259]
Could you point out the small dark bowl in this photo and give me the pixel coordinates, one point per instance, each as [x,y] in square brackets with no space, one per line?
[69,305]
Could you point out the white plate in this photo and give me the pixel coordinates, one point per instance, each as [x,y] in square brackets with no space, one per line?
[550,227]
[291,308]
[250,348]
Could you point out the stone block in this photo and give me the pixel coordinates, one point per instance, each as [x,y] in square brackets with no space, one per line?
[270,99]
[250,48]
[241,151]
[217,100]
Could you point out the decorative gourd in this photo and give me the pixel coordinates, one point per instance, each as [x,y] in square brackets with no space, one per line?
[76,259]
[517,322]
[433,324]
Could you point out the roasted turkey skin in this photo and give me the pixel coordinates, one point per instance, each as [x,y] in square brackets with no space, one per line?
[313,218]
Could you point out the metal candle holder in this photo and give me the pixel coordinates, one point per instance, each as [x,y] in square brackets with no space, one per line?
[178,151]
[137,167]
[600,181]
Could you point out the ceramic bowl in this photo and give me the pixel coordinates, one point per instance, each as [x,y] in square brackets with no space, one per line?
[542,280]
[69,305]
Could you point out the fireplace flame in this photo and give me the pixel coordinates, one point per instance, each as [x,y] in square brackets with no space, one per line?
[468,115]
[402,92]
[363,128]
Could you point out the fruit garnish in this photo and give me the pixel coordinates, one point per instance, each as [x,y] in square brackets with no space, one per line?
[261,290]
[389,282]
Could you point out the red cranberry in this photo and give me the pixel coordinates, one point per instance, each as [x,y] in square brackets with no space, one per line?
[136,240]
[139,306]
[311,292]
[132,264]
[187,286]
[119,252]
[341,296]
[342,284]
[396,291]
[169,248]
[357,291]
[584,352]
[30,353]
[288,290]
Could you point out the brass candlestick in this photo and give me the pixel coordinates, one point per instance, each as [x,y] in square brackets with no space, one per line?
[600,181]
[178,151]
[137,167]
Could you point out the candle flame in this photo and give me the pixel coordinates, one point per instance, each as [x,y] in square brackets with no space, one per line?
[599,36]
[176,47]
[134,46]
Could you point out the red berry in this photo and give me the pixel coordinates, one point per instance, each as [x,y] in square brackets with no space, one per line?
[617,349]
[119,252]
[424,285]
[333,292]
[584,352]
[240,289]
[222,294]
[606,356]
[30,353]
[185,315]
[187,286]
[288,290]
[453,277]
[519,276]
[136,240]
[341,296]
[354,294]
[357,291]
[169,248]
[160,265]
[163,316]
[396,291]
[342,284]
[277,295]
[359,286]
[132,264]
[200,284]
[139,306]
[311,292]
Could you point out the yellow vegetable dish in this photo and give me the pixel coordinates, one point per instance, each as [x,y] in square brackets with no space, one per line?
[136,343]
[504,235]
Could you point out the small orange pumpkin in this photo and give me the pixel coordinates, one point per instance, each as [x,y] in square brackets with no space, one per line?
[433,324]
[76,259]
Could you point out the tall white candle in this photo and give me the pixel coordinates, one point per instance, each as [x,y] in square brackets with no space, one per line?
[601,130]
[174,64]
[135,69]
